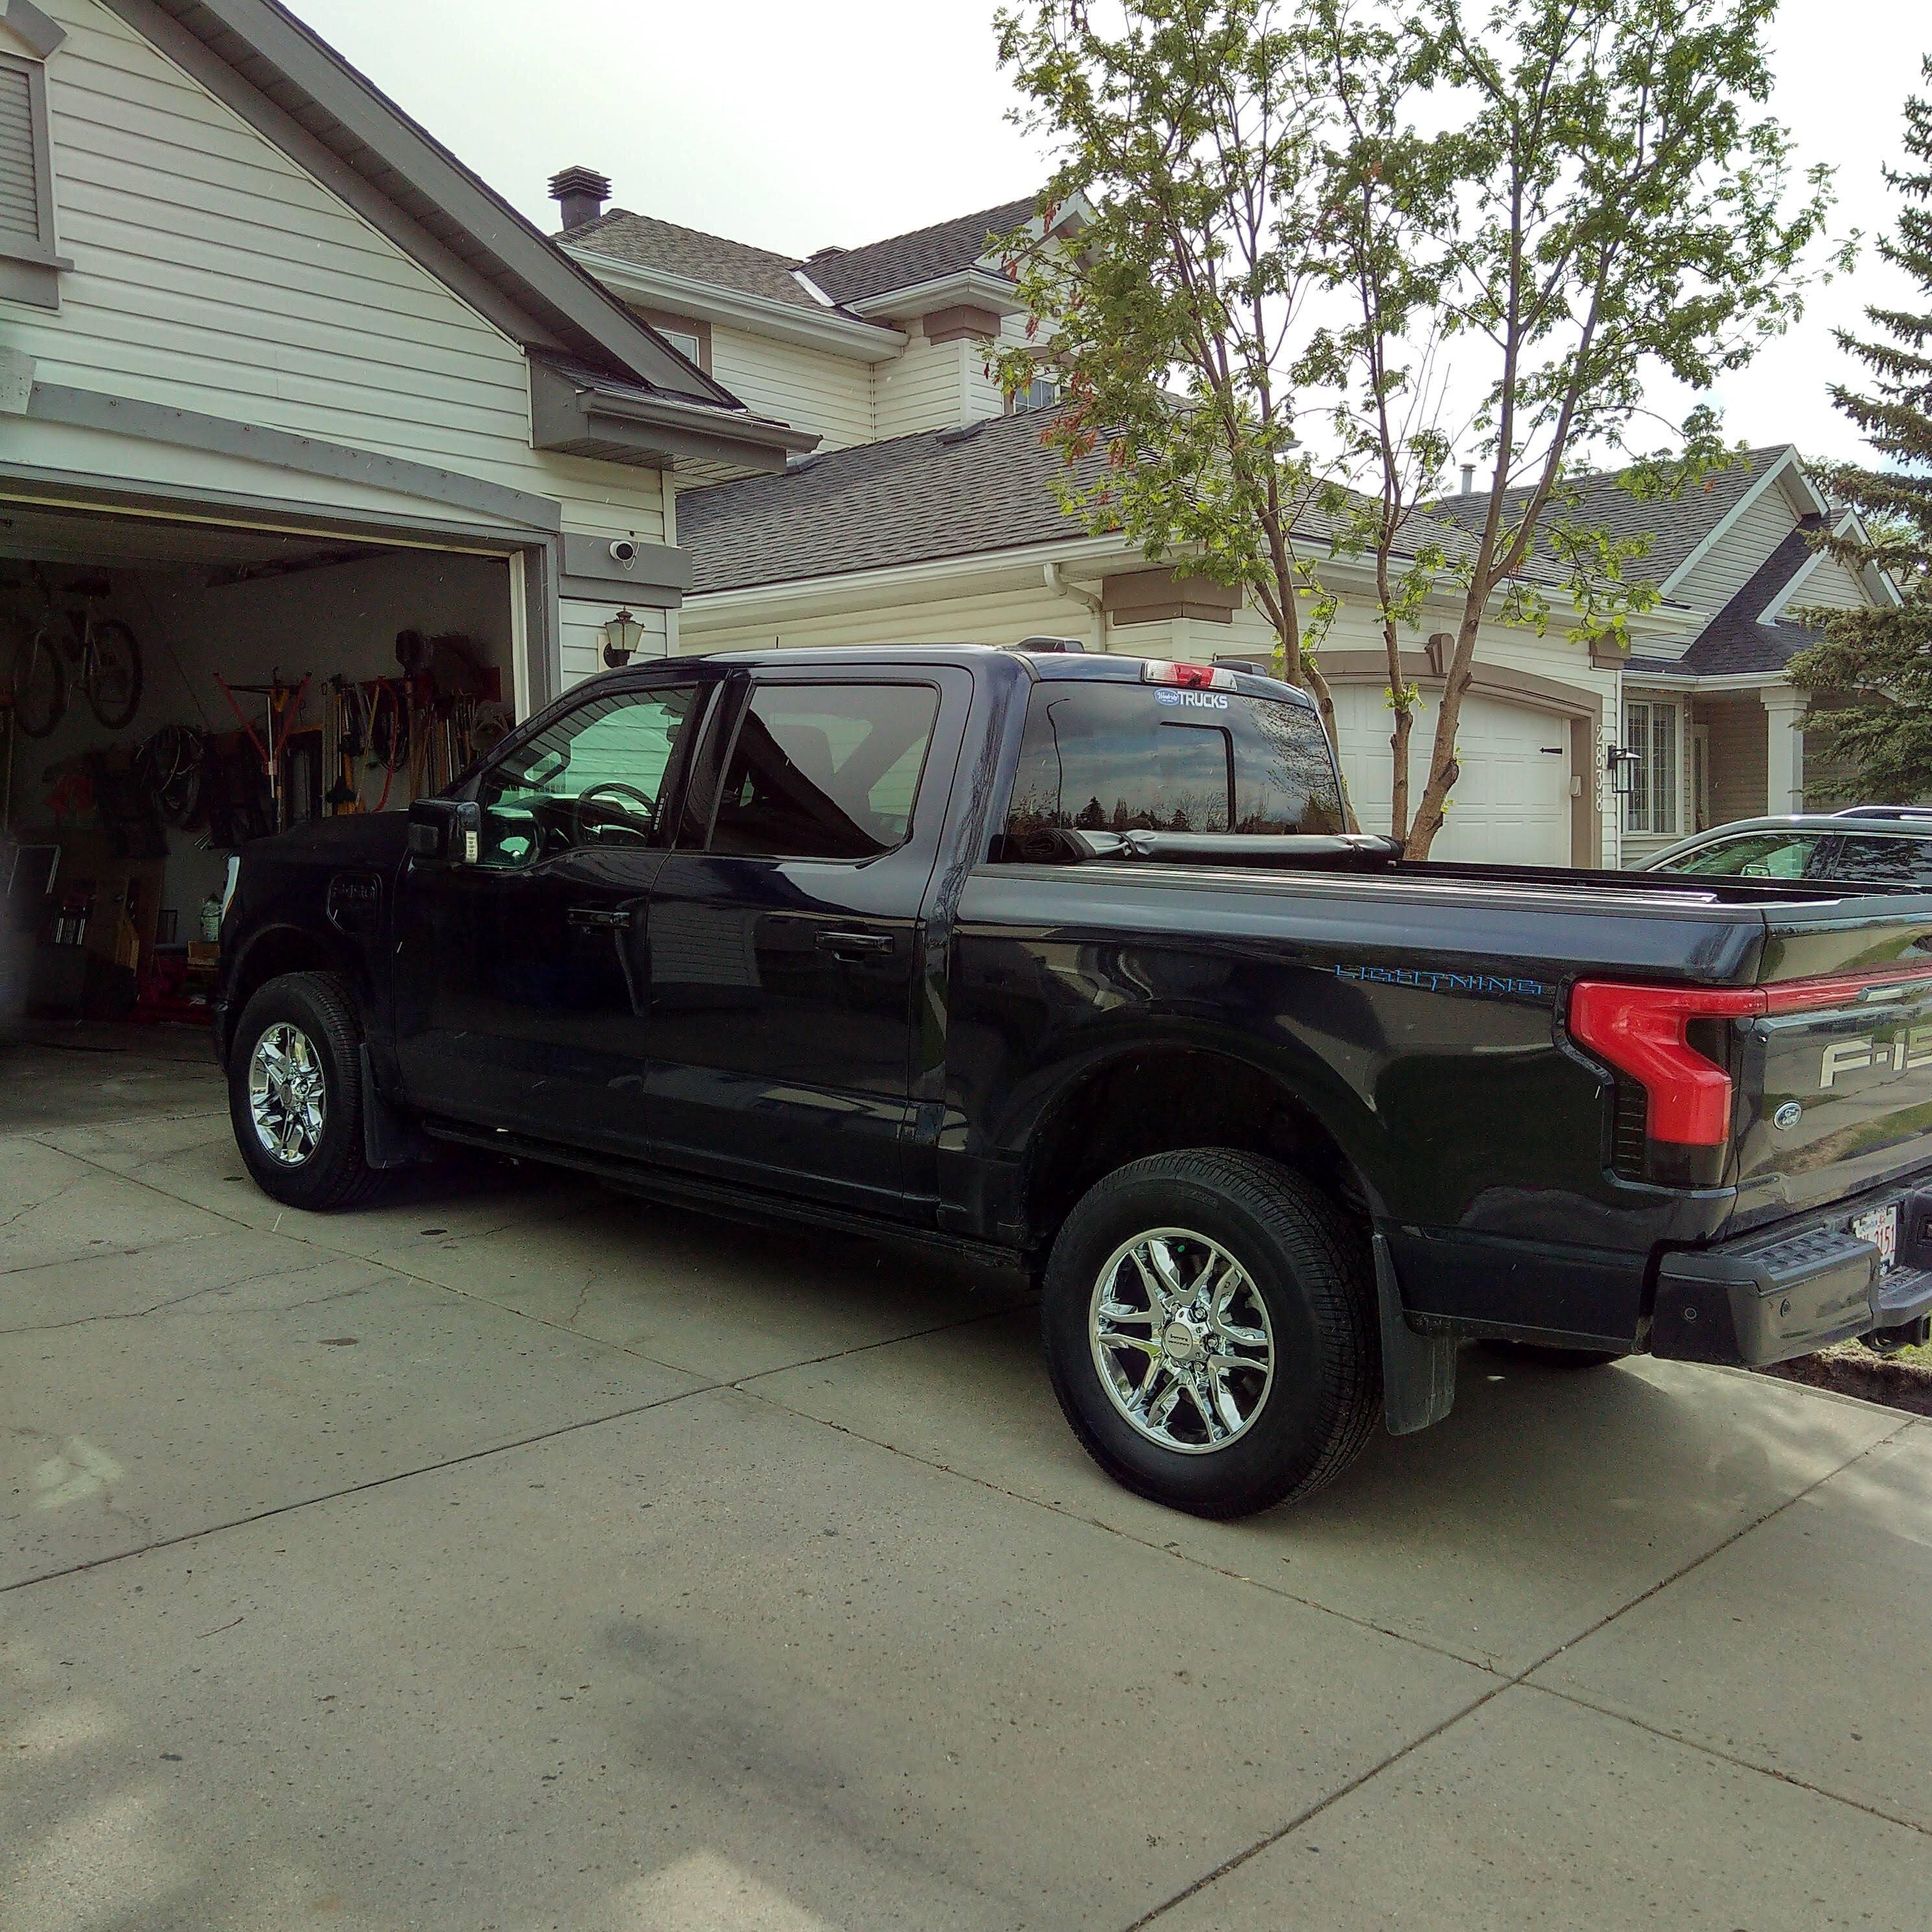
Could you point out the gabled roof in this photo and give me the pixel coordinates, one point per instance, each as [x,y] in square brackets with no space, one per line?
[652,244]
[300,94]
[925,255]
[919,499]
[1676,526]
[1734,640]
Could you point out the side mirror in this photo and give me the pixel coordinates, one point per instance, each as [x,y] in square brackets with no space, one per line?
[446,831]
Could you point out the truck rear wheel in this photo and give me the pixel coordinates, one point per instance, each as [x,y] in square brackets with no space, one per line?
[1210,1326]
[294,1093]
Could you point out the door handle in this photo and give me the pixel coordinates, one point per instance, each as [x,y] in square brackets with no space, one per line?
[599,920]
[854,944]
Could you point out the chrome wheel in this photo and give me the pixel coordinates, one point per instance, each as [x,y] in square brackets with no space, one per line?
[1182,1339]
[288,1098]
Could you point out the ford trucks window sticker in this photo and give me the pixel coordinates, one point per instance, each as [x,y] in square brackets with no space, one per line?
[1192,700]
[1431,982]
[1910,1048]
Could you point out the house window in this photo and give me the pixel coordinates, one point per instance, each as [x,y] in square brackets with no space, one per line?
[686,344]
[28,265]
[1650,730]
[1041,393]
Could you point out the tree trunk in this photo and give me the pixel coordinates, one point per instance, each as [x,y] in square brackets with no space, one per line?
[1404,721]
[1443,770]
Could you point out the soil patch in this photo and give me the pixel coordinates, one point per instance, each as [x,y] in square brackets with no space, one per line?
[1902,1381]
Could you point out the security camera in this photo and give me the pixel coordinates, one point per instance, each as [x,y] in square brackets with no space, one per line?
[623,552]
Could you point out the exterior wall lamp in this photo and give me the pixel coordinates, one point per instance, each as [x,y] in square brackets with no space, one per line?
[622,636]
[1622,762]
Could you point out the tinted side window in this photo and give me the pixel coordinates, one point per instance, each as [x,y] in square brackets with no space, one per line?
[594,777]
[1883,858]
[1757,855]
[1131,758]
[825,771]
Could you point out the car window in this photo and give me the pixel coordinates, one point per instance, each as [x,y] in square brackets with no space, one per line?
[1882,858]
[825,771]
[594,776]
[1754,855]
[1134,757]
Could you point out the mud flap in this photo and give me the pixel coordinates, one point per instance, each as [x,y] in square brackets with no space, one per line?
[388,1140]
[1418,1371]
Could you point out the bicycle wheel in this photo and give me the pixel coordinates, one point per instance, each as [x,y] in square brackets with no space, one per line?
[39,682]
[169,763]
[111,673]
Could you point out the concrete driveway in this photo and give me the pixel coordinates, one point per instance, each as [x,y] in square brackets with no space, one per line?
[514,1556]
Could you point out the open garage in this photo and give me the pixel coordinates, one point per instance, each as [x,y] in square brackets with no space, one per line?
[194,684]
[319,466]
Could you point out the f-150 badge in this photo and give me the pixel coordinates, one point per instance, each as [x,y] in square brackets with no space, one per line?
[1913,1048]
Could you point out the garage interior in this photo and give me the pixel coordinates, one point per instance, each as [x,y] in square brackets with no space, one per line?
[371,673]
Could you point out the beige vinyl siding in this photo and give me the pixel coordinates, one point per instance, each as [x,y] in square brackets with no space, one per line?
[982,396]
[1725,570]
[830,395]
[923,388]
[993,617]
[1739,772]
[583,641]
[213,274]
[1828,585]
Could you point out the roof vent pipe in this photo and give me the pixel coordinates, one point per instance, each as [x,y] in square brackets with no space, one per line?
[1468,479]
[582,192]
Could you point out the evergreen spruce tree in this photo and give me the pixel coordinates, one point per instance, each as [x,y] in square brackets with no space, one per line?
[1881,660]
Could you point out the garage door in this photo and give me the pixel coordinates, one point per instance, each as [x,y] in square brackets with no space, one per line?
[1511,805]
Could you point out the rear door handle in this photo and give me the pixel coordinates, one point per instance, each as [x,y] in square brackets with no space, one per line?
[599,920]
[855,944]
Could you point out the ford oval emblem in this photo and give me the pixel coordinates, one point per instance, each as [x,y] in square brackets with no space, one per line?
[1787,1116]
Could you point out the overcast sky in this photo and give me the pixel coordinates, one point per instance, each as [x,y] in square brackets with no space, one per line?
[794,125]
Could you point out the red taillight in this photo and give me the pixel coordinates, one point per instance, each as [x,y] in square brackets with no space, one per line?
[1802,996]
[1641,1031]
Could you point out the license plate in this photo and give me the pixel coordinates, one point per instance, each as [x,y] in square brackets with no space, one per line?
[1880,1228]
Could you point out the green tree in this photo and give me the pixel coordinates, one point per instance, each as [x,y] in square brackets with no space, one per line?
[1186,134]
[1538,207]
[1884,656]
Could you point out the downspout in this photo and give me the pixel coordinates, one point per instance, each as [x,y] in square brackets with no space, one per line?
[1059,586]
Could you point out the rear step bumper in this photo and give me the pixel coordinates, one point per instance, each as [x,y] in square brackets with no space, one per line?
[1768,1297]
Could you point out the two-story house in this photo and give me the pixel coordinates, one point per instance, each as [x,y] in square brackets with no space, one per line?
[927,512]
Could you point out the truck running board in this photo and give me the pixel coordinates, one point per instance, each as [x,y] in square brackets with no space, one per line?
[679,1189]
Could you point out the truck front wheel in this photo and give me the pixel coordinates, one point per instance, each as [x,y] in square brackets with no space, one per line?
[294,1093]
[1209,1324]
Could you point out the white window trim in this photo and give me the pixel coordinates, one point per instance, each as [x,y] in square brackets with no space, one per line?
[32,276]
[1642,821]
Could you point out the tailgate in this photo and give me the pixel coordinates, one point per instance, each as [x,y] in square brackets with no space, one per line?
[1835,1078]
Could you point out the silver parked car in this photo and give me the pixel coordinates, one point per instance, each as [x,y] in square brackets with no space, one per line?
[1888,844]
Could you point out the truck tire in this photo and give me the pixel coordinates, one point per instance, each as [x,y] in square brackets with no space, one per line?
[1210,1332]
[294,1093]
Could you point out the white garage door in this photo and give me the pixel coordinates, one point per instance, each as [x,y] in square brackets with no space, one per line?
[1511,805]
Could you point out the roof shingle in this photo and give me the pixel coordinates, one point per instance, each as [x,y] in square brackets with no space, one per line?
[905,261]
[912,500]
[690,252]
[1675,525]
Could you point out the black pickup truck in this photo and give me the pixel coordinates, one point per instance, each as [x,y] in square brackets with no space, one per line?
[1067,961]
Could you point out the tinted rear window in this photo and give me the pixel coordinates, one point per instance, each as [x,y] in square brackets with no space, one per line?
[1882,858]
[1137,758]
